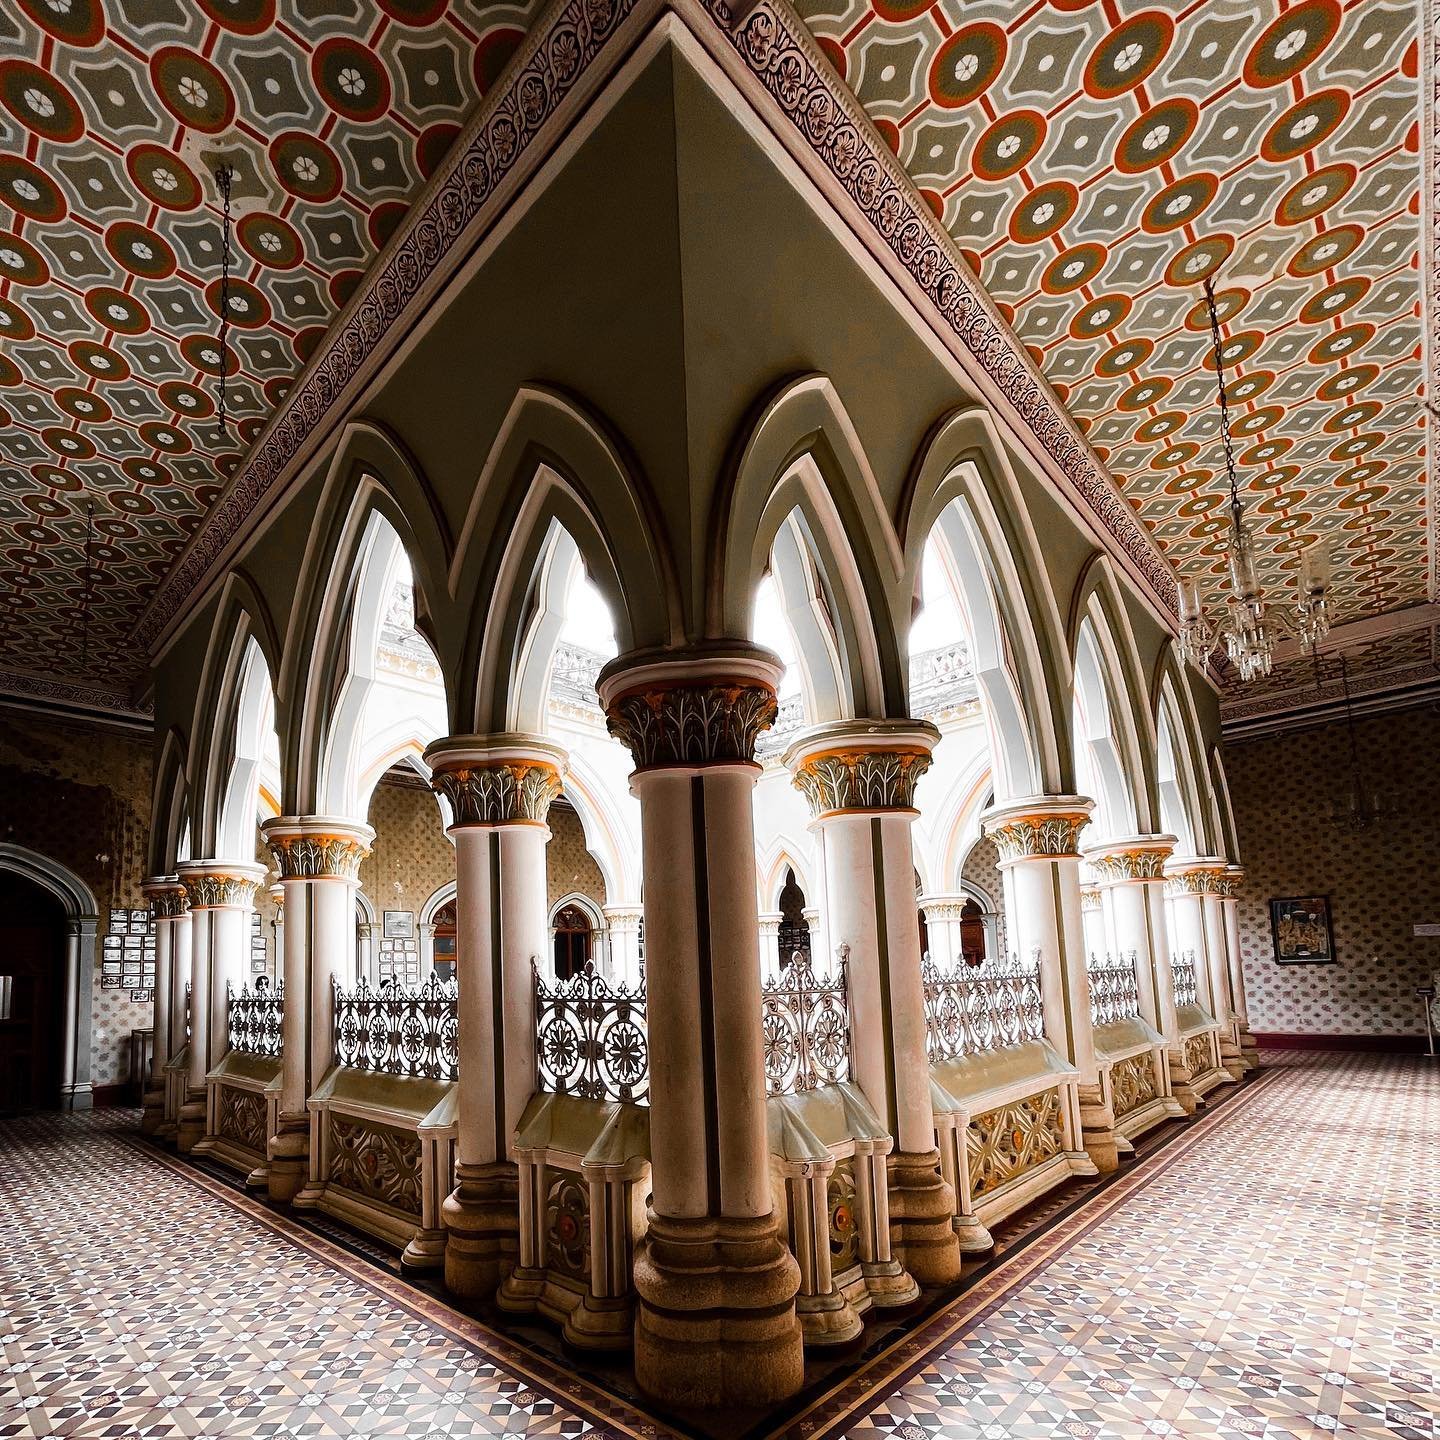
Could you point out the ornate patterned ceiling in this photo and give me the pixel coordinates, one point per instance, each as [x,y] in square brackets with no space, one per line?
[112,117]
[1094,159]
[1097,159]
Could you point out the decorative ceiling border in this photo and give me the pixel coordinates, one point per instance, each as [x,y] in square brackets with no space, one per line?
[1430,226]
[557,53]
[21,685]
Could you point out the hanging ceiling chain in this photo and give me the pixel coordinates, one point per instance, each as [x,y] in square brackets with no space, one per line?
[87,595]
[1220,388]
[224,175]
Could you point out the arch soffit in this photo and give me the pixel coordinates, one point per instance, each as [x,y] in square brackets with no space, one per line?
[779,857]
[56,879]
[1224,807]
[604,831]
[961,827]
[964,458]
[1099,600]
[802,453]
[169,804]
[552,464]
[1172,705]
[575,900]
[370,474]
[437,902]
[237,780]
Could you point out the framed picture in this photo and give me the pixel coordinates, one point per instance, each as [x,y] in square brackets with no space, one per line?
[1301,929]
[399,925]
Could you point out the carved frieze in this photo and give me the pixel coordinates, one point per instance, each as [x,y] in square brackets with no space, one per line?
[1008,1142]
[241,1118]
[376,1162]
[692,724]
[840,780]
[1046,834]
[499,792]
[317,857]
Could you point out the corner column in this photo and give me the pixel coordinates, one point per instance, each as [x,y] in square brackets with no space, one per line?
[221,895]
[167,901]
[1230,907]
[622,924]
[1131,873]
[500,788]
[716,1322]
[1037,843]
[1194,885]
[859,778]
[318,860]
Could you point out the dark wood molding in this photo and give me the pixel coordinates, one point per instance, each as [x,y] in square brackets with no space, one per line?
[1393,1044]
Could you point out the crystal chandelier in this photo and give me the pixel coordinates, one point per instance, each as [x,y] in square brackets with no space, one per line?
[1364,805]
[1248,629]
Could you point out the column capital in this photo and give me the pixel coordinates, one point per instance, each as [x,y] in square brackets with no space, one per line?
[705,706]
[1089,898]
[770,922]
[276,893]
[942,907]
[1237,875]
[215,884]
[1136,857]
[1045,827]
[317,847]
[861,765]
[623,917]
[1197,875]
[502,779]
[166,895]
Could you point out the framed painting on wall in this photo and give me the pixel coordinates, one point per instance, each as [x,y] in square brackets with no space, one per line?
[398,925]
[1302,930]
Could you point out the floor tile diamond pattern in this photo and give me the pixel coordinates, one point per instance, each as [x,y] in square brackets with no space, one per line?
[1275,1276]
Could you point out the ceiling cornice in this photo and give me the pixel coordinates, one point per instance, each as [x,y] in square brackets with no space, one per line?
[506,139]
[27,691]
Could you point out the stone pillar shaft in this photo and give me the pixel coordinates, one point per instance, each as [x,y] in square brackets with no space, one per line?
[167,903]
[500,788]
[716,1322]
[318,860]
[860,778]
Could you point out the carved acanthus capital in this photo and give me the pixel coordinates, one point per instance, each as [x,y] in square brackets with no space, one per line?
[213,884]
[861,765]
[316,847]
[1090,898]
[704,708]
[1036,831]
[1140,858]
[497,780]
[166,896]
[1197,877]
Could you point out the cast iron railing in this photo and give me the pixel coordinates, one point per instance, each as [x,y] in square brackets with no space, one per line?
[1187,988]
[1114,990]
[590,1037]
[256,1019]
[977,1008]
[805,1027]
[397,1031]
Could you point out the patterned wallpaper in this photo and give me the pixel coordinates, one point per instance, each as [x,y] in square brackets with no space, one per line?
[411,849]
[80,795]
[1381,883]
[570,868]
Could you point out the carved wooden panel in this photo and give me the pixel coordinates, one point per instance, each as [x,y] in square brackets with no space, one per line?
[1199,1055]
[242,1118]
[844,1227]
[1003,1144]
[1132,1083]
[567,1226]
[376,1162]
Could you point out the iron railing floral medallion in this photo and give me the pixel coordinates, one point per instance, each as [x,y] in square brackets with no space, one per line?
[1114,989]
[805,1027]
[398,1031]
[256,1019]
[590,1037]
[973,1009]
[1187,987]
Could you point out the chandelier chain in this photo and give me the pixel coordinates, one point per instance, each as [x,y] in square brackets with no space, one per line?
[1220,389]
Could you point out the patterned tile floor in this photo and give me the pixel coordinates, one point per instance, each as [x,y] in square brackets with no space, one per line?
[1274,1272]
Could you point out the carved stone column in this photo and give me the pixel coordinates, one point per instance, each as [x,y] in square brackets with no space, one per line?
[622,922]
[317,858]
[942,926]
[1194,885]
[770,957]
[1131,872]
[500,788]
[859,777]
[167,903]
[716,1322]
[1037,843]
[221,895]
[177,1067]
[1230,905]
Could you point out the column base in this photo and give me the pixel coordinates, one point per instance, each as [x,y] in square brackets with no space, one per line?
[154,1114]
[1249,1050]
[601,1325]
[922,1214]
[482,1223]
[974,1238]
[1231,1060]
[1185,1097]
[1097,1130]
[716,1324]
[190,1128]
[288,1156]
[521,1289]
[889,1284]
[827,1320]
[425,1251]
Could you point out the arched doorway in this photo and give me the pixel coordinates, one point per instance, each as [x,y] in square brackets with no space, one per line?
[574,937]
[972,933]
[794,928]
[443,941]
[32,995]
